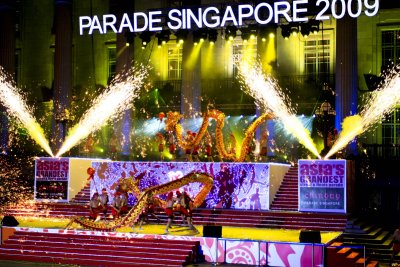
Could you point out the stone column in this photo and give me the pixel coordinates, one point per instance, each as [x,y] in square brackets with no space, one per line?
[7,59]
[346,73]
[191,80]
[62,70]
[123,66]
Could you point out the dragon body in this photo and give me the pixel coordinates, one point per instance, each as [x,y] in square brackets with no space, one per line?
[132,216]
[172,125]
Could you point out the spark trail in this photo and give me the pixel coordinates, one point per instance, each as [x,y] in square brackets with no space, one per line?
[382,102]
[16,107]
[118,97]
[265,91]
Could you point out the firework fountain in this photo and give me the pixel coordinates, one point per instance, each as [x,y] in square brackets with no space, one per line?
[382,102]
[109,105]
[16,107]
[267,94]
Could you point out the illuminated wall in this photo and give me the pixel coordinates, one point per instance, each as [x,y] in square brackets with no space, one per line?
[34,48]
[370,56]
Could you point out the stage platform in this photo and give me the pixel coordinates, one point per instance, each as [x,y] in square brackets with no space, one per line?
[234,225]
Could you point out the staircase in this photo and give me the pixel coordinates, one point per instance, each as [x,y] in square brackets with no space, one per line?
[223,217]
[83,197]
[98,250]
[339,255]
[377,240]
[270,219]
[286,197]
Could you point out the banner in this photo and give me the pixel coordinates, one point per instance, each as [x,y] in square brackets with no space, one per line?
[51,179]
[322,185]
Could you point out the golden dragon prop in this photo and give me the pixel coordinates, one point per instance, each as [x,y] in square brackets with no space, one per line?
[171,124]
[134,212]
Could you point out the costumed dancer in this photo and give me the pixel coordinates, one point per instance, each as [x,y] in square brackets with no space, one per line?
[95,207]
[232,148]
[208,149]
[169,203]
[171,141]
[113,146]
[152,203]
[263,145]
[188,151]
[188,213]
[161,145]
[119,205]
[180,207]
[186,210]
[148,210]
[89,146]
[104,201]
[196,148]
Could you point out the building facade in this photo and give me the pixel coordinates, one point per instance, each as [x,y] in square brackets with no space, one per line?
[59,69]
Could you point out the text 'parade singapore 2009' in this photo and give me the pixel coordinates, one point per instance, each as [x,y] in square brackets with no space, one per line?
[217,17]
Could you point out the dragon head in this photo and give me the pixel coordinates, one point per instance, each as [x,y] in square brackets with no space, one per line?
[172,119]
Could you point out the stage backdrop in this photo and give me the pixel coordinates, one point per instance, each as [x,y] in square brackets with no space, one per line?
[236,185]
[322,185]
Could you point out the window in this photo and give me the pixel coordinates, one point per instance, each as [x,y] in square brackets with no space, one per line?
[174,62]
[390,48]
[391,128]
[247,50]
[317,56]
[112,61]
[390,57]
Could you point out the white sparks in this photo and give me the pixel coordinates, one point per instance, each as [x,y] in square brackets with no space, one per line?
[109,105]
[382,102]
[265,92]
[16,107]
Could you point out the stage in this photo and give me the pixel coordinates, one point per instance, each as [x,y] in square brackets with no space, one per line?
[245,190]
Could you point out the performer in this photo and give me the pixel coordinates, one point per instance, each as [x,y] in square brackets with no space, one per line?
[188,205]
[169,210]
[180,208]
[113,146]
[171,141]
[188,151]
[195,151]
[263,144]
[104,202]
[95,207]
[232,148]
[89,146]
[148,210]
[208,149]
[161,145]
[124,203]
[186,210]
[119,205]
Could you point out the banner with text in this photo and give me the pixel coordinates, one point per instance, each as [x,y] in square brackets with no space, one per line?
[51,179]
[322,185]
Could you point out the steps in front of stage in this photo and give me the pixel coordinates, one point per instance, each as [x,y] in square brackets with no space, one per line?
[286,198]
[101,249]
[222,217]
